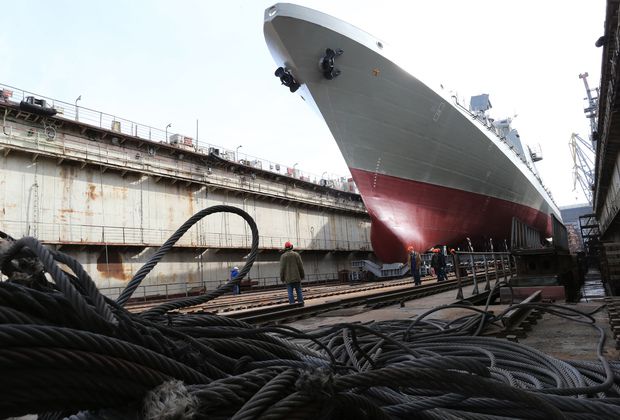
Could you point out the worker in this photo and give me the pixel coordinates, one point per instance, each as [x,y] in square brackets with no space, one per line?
[438,262]
[415,264]
[234,273]
[292,272]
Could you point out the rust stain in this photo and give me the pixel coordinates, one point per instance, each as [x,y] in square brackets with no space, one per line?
[113,267]
[190,197]
[92,192]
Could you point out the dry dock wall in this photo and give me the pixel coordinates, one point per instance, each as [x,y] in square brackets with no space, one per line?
[110,202]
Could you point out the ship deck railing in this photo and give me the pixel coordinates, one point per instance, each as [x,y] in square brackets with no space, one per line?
[491,128]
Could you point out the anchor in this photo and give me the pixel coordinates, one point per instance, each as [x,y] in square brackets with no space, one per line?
[287,79]
[326,64]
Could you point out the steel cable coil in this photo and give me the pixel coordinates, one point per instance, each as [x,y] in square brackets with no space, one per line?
[68,352]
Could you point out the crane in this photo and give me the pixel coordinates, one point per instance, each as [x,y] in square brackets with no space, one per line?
[592,108]
[582,153]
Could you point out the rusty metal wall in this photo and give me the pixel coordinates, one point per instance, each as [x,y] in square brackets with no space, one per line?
[113,220]
[67,203]
[185,270]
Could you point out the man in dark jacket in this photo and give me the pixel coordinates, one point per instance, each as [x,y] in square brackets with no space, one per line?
[415,264]
[292,272]
[438,262]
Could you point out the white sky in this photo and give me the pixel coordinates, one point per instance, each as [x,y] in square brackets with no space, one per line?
[160,62]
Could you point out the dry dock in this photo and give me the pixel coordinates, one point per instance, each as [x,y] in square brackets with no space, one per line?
[109,191]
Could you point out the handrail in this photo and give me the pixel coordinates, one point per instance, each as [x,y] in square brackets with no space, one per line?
[502,266]
[167,290]
[167,166]
[493,129]
[84,115]
[195,237]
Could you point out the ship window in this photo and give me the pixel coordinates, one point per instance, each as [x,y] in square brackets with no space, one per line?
[379,44]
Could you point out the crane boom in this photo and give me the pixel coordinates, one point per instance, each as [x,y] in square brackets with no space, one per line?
[592,108]
[582,153]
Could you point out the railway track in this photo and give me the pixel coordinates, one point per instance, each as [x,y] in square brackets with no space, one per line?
[270,306]
[287,313]
[272,297]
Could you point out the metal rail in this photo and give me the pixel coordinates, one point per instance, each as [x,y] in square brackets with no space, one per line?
[266,298]
[290,312]
[74,113]
[520,319]
[490,264]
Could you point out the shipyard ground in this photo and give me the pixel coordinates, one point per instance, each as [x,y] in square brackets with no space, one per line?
[551,335]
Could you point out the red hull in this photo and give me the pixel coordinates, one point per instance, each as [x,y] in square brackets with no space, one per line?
[405,212]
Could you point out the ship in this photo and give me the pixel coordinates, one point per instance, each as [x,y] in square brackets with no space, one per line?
[430,169]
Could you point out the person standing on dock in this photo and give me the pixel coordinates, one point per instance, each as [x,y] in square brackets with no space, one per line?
[236,287]
[415,263]
[438,262]
[292,272]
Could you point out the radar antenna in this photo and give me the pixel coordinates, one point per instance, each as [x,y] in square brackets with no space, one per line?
[582,153]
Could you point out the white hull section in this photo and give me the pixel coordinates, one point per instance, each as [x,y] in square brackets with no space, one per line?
[388,122]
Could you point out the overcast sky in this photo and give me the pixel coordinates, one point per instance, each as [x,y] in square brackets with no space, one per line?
[160,62]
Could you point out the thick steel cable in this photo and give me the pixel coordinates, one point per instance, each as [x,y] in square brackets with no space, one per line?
[442,380]
[88,284]
[163,250]
[267,395]
[61,281]
[47,336]
[360,370]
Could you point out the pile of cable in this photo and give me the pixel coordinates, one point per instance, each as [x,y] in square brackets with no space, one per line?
[66,351]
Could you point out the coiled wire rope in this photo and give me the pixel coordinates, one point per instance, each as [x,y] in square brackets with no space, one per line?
[66,351]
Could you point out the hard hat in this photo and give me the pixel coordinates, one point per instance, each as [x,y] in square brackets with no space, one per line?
[288,245]
[235,268]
